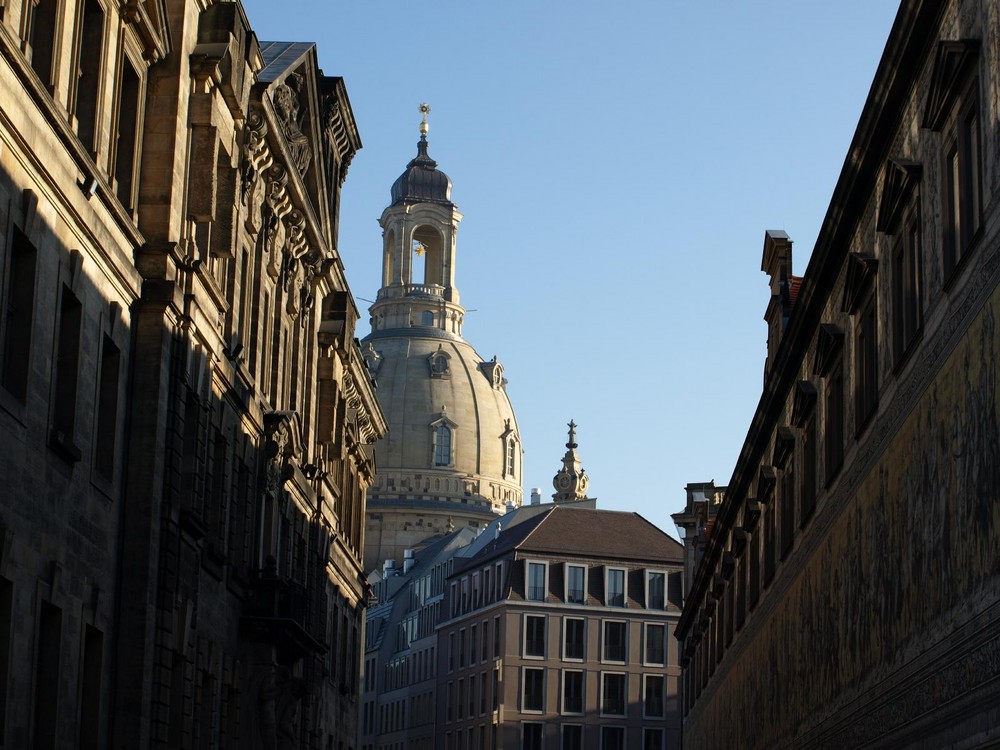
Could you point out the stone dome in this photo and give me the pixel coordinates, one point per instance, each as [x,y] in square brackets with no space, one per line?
[452,426]
[422,181]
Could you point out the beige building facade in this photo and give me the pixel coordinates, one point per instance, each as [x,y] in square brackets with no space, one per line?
[187,421]
[558,632]
[453,453]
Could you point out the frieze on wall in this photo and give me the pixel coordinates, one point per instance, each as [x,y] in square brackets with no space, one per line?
[908,554]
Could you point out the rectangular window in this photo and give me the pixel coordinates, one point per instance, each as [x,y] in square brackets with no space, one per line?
[534,636]
[572,693]
[18,315]
[652,739]
[473,643]
[768,550]
[753,583]
[834,403]
[107,409]
[450,701]
[615,637]
[531,736]
[572,737]
[574,638]
[482,693]
[907,311]
[576,582]
[442,445]
[655,651]
[616,587]
[536,582]
[41,37]
[741,592]
[613,694]
[866,363]
[47,655]
[963,158]
[472,696]
[67,367]
[461,648]
[486,640]
[807,488]
[653,695]
[656,590]
[451,652]
[90,694]
[787,497]
[88,73]
[612,738]
[534,690]
[496,637]
[127,136]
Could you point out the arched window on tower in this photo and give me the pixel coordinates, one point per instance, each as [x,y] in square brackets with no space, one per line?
[427,318]
[511,457]
[442,445]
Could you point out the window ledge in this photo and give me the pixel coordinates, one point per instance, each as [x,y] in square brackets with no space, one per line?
[64,446]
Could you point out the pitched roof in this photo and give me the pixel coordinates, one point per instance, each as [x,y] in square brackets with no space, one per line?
[601,533]
[279,56]
[508,539]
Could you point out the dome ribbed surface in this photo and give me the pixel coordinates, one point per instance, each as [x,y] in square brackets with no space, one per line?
[422,182]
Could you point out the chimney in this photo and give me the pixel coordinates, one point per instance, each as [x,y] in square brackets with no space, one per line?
[388,568]
[777,264]
[536,495]
[408,561]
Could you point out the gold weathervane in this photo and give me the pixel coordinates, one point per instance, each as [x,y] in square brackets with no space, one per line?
[424,109]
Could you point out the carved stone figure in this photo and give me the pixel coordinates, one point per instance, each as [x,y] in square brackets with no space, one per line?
[286,106]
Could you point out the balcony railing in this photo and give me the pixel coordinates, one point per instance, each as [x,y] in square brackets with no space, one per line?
[277,610]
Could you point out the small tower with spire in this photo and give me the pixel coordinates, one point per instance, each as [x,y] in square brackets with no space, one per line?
[571,480]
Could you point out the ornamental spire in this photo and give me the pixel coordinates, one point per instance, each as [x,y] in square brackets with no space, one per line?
[571,480]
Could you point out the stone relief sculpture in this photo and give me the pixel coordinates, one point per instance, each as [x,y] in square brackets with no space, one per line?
[286,106]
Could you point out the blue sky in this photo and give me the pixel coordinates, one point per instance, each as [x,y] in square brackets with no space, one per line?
[617,166]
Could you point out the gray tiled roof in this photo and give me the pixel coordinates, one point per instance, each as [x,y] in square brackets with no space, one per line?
[279,56]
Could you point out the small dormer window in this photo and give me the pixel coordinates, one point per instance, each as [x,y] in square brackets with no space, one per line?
[439,364]
[494,371]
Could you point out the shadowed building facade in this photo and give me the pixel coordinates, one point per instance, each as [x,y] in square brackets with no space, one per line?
[849,593]
[186,419]
[453,453]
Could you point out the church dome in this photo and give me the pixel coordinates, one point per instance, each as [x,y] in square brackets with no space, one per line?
[422,182]
[452,456]
[453,435]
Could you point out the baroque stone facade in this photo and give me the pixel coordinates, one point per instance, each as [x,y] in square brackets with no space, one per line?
[849,595]
[186,417]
